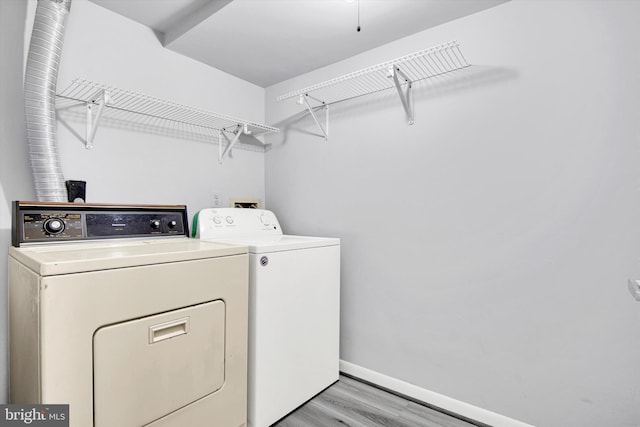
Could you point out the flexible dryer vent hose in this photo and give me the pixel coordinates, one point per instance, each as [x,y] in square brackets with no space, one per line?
[41,76]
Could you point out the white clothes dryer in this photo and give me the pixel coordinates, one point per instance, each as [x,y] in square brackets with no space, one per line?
[116,312]
[294,309]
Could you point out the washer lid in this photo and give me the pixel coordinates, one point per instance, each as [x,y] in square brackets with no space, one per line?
[65,257]
[278,243]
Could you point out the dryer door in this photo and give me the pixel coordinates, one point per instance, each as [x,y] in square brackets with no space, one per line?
[149,367]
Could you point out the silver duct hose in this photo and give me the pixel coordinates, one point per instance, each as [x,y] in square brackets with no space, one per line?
[41,76]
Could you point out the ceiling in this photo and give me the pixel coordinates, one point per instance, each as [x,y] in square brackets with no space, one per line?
[268,41]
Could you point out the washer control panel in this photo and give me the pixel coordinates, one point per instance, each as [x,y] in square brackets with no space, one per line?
[228,222]
[42,222]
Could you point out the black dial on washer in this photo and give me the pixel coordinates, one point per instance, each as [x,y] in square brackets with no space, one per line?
[54,225]
[155,224]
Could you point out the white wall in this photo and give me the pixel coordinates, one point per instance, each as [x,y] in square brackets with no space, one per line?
[124,166]
[486,248]
[134,167]
[15,178]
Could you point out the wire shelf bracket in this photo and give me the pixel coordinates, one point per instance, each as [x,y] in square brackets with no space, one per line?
[239,130]
[405,97]
[401,73]
[93,122]
[117,105]
[324,106]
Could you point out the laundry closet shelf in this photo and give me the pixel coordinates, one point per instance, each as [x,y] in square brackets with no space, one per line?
[111,104]
[400,73]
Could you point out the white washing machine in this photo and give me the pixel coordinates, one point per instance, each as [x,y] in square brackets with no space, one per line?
[116,312]
[294,309]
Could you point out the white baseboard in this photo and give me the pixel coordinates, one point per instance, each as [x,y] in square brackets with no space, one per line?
[430,397]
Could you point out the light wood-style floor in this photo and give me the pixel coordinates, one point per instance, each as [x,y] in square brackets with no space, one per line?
[352,403]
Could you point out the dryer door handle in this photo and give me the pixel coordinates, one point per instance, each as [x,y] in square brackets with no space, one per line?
[167,330]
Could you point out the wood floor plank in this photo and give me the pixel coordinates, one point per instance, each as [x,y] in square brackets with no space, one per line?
[362,413]
[371,395]
[421,414]
[352,403]
[315,416]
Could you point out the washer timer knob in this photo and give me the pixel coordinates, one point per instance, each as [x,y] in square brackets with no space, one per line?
[155,224]
[54,225]
[172,223]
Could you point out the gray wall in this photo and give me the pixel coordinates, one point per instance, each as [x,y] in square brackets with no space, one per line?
[124,166]
[486,248]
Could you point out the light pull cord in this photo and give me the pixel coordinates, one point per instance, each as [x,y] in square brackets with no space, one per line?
[358,29]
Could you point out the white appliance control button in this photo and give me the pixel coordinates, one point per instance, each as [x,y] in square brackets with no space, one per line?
[264,220]
[217,219]
[229,220]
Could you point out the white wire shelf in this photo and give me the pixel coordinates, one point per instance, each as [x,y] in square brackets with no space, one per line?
[400,73]
[117,106]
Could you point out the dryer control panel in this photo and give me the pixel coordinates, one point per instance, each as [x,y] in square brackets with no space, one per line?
[45,222]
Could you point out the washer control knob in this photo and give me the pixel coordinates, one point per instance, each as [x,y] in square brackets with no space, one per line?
[229,220]
[217,219]
[54,225]
[172,223]
[155,224]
